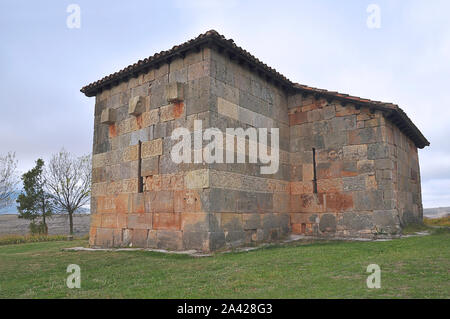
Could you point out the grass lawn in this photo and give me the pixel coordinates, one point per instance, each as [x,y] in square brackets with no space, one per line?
[416,267]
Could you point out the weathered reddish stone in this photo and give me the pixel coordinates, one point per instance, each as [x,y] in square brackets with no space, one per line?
[178,109]
[307,203]
[332,185]
[92,235]
[104,237]
[109,220]
[96,220]
[346,110]
[137,203]
[159,202]
[121,203]
[195,222]
[297,229]
[105,204]
[112,131]
[329,170]
[338,202]
[140,221]
[139,237]
[167,221]
[297,188]
[298,118]
[187,201]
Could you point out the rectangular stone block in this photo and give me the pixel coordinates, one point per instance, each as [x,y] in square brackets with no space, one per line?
[98,189]
[137,203]
[140,135]
[339,202]
[174,92]
[150,118]
[140,221]
[223,200]
[104,237]
[303,187]
[130,153]
[159,202]
[153,183]
[152,148]
[196,240]
[377,151]
[307,203]
[150,166]
[368,200]
[298,118]
[366,166]
[109,220]
[137,105]
[167,221]
[355,152]
[169,239]
[121,202]
[329,170]
[349,169]
[108,116]
[139,237]
[197,179]
[198,70]
[172,182]
[333,185]
[167,113]
[98,160]
[251,221]
[188,201]
[364,136]
[195,222]
[357,183]
[227,108]
[387,164]
[130,185]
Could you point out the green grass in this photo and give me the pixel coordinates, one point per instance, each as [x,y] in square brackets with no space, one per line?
[414,228]
[415,267]
[22,239]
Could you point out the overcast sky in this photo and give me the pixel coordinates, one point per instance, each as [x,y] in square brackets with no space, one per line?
[326,44]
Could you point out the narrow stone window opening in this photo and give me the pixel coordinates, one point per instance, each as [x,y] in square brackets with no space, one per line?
[140,178]
[315,172]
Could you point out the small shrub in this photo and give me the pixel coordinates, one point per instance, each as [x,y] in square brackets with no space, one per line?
[443,221]
[38,228]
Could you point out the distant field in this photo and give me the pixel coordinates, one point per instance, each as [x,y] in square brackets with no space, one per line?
[10,224]
[443,221]
[436,212]
[414,267]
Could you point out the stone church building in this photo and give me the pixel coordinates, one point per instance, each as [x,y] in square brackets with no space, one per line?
[348,167]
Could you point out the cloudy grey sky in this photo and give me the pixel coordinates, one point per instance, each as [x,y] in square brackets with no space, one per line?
[326,44]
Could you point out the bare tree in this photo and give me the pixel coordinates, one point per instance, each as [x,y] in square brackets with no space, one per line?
[69,182]
[8,179]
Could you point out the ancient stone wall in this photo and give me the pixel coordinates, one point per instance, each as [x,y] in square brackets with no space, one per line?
[246,205]
[173,196]
[343,170]
[405,176]
[341,167]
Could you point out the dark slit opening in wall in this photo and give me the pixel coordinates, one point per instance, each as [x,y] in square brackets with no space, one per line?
[315,172]
[140,178]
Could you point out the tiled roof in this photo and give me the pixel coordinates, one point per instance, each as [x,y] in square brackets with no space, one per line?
[227,46]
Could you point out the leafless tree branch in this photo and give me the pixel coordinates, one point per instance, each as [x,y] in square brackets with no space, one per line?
[8,179]
[69,182]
